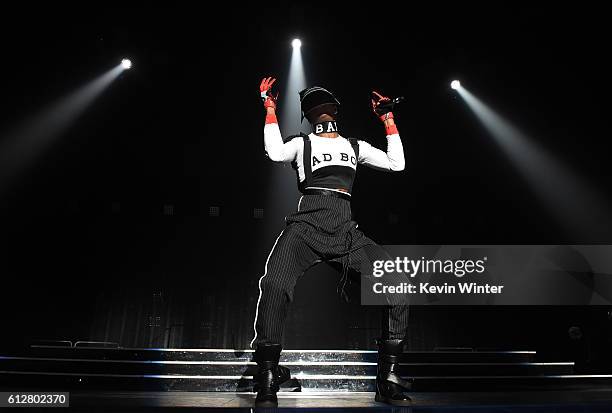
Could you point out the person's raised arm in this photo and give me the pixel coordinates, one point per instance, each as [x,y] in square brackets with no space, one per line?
[276,150]
[393,158]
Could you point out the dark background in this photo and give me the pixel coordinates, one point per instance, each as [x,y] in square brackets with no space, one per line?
[89,253]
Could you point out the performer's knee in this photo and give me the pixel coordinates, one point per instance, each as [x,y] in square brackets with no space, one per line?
[274,284]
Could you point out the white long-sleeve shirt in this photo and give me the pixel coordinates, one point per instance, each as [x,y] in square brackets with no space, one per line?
[332,160]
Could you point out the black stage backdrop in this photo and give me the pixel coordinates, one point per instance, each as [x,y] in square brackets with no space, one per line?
[111,235]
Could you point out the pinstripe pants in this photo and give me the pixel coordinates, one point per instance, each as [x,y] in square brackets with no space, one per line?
[320,231]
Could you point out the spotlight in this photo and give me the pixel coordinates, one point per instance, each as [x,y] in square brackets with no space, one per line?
[126,64]
[455,84]
[296,43]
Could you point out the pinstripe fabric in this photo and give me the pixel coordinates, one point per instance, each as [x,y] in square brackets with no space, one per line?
[321,230]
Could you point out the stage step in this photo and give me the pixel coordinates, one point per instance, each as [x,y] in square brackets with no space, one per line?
[50,381]
[489,356]
[241,368]
[315,370]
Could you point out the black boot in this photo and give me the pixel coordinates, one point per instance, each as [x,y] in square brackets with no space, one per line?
[269,375]
[390,387]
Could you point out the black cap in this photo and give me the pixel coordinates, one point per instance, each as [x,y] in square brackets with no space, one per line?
[314,97]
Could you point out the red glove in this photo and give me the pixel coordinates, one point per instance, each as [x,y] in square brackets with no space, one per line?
[381,105]
[265,88]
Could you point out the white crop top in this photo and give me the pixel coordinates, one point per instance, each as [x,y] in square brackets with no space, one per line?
[332,160]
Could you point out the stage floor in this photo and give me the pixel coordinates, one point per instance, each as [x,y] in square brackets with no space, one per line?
[543,401]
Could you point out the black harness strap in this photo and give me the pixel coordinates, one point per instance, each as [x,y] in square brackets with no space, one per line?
[307,155]
[355,144]
[307,163]
[288,138]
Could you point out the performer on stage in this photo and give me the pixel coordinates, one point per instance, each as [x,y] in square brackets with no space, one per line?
[322,230]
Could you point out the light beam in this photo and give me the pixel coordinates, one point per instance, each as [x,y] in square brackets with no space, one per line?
[283,193]
[21,147]
[573,201]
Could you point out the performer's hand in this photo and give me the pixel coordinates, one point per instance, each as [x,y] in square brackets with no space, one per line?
[265,89]
[381,106]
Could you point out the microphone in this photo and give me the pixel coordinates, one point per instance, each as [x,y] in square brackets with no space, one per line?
[391,103]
